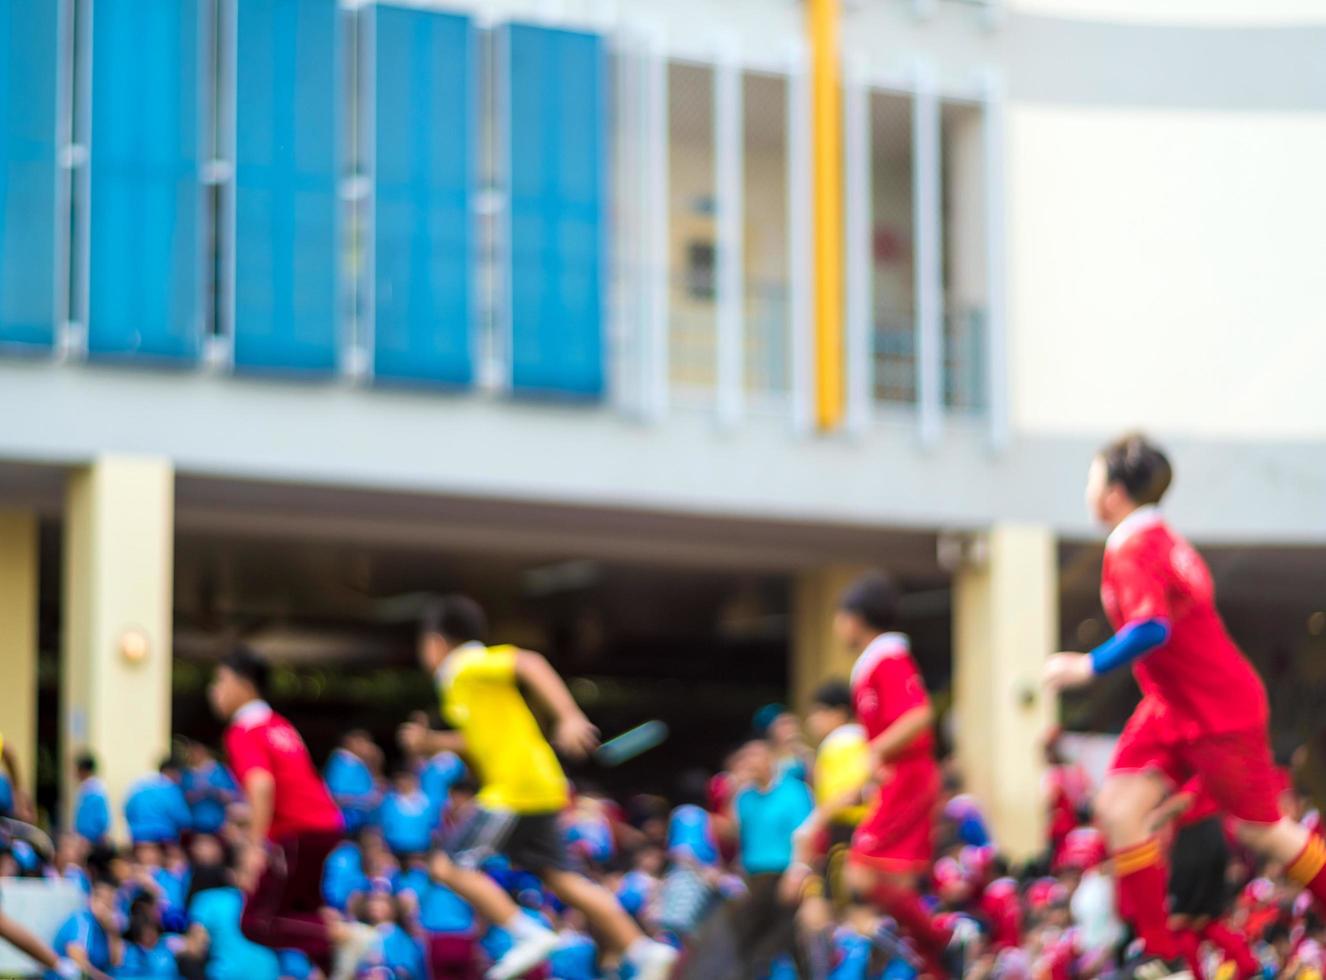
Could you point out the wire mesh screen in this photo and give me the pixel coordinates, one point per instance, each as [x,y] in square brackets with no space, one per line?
[893,339]
[693,312]
[765,165]
[965,273]
[491,357]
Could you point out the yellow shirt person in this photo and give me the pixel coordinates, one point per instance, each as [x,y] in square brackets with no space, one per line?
[517,768]
[842,768]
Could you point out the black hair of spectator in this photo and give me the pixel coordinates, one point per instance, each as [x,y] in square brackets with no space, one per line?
[171,763]
[245,663]
[693,787]
[86,762]
[1139,466]
[205,878]
[460,619]
[834,694]
[873,598]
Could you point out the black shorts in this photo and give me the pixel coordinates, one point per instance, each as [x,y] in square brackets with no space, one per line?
[532,841]
[1199,862]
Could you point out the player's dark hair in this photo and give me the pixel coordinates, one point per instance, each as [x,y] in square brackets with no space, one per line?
[171,763]
[86,762]
[245,663]
[874,599]
[834,694]
[1139,466]
[461,620]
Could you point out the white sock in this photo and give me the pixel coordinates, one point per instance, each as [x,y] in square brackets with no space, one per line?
[521,926]
[637,950]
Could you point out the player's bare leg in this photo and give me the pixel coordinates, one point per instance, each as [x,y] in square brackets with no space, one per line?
[533,943]
[620,934]
[1123,809]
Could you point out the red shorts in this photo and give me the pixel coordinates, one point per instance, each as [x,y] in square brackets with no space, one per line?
[1236,768]
[898,832]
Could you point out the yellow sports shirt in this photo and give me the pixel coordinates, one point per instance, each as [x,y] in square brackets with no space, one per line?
[516,766]
[842,765]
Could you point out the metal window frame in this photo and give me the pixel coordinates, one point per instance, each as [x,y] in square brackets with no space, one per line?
[658,224]
[221,351]
[800,251]
[625,327]
[73,341]
[858,224]
[928,242]
[729,197]
[996,258]
[64,164]
[363,327]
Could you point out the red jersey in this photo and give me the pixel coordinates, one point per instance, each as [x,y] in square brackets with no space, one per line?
[1203,807]
[886,684]
[260,739]
[1198,680]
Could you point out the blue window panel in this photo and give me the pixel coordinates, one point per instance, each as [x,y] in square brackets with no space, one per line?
[287,243]
[29,45]
[556,171]
[424,176]
[145,272]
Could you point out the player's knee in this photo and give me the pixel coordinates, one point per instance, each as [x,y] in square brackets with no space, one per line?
[1119,816]
[858,880]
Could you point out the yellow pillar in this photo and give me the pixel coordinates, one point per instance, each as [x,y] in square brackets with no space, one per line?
[18,639]
[816,655]
[822,17]
[116,660]
[1006,622]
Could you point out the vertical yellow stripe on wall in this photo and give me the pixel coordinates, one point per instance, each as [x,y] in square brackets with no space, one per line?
[826,136]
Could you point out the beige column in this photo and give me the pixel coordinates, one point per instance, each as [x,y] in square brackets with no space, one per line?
[816,654]
[116,659]
[18,639]
[1006,622]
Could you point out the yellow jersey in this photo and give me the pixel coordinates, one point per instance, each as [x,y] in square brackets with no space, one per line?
[516,767]
[842,765]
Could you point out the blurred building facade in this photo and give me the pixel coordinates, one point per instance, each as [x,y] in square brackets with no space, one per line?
[540,279]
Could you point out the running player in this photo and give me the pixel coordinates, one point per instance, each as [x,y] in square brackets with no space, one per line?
[293,823]
[894,844]
[1203,712]
[522,787]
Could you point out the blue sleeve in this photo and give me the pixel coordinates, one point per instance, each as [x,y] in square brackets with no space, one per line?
[180,814]
[1135,640]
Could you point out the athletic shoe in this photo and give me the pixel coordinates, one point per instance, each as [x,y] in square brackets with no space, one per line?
[655,962]
[525,955]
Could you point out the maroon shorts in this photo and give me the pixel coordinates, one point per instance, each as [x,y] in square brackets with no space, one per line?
[897,834]
[1236,768]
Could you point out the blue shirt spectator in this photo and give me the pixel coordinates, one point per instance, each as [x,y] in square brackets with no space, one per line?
[397,954]
[174,885]
[6,796]
[147,962]
[575,958]
[352,784]
[768,812]
[343,875]
[438,775]
[232,956]
[441,910]
[691,835]
[82,938]
[408,816]
[92,818]
[156,810]
[209,789]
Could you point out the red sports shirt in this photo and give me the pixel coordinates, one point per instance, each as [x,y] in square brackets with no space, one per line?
[1199,678]
[259,738]
[885,686]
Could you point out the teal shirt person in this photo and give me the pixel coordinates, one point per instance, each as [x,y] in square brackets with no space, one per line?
[232,956]
[767,820]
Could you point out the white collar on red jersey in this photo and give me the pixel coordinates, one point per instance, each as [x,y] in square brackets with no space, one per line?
[1148,515]
[252,714]
[880,648]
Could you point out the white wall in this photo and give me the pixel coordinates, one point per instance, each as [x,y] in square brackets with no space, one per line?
[1167,268]
[1191,12]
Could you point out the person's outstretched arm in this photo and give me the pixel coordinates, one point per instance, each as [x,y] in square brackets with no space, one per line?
[28,944]
[572,731]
